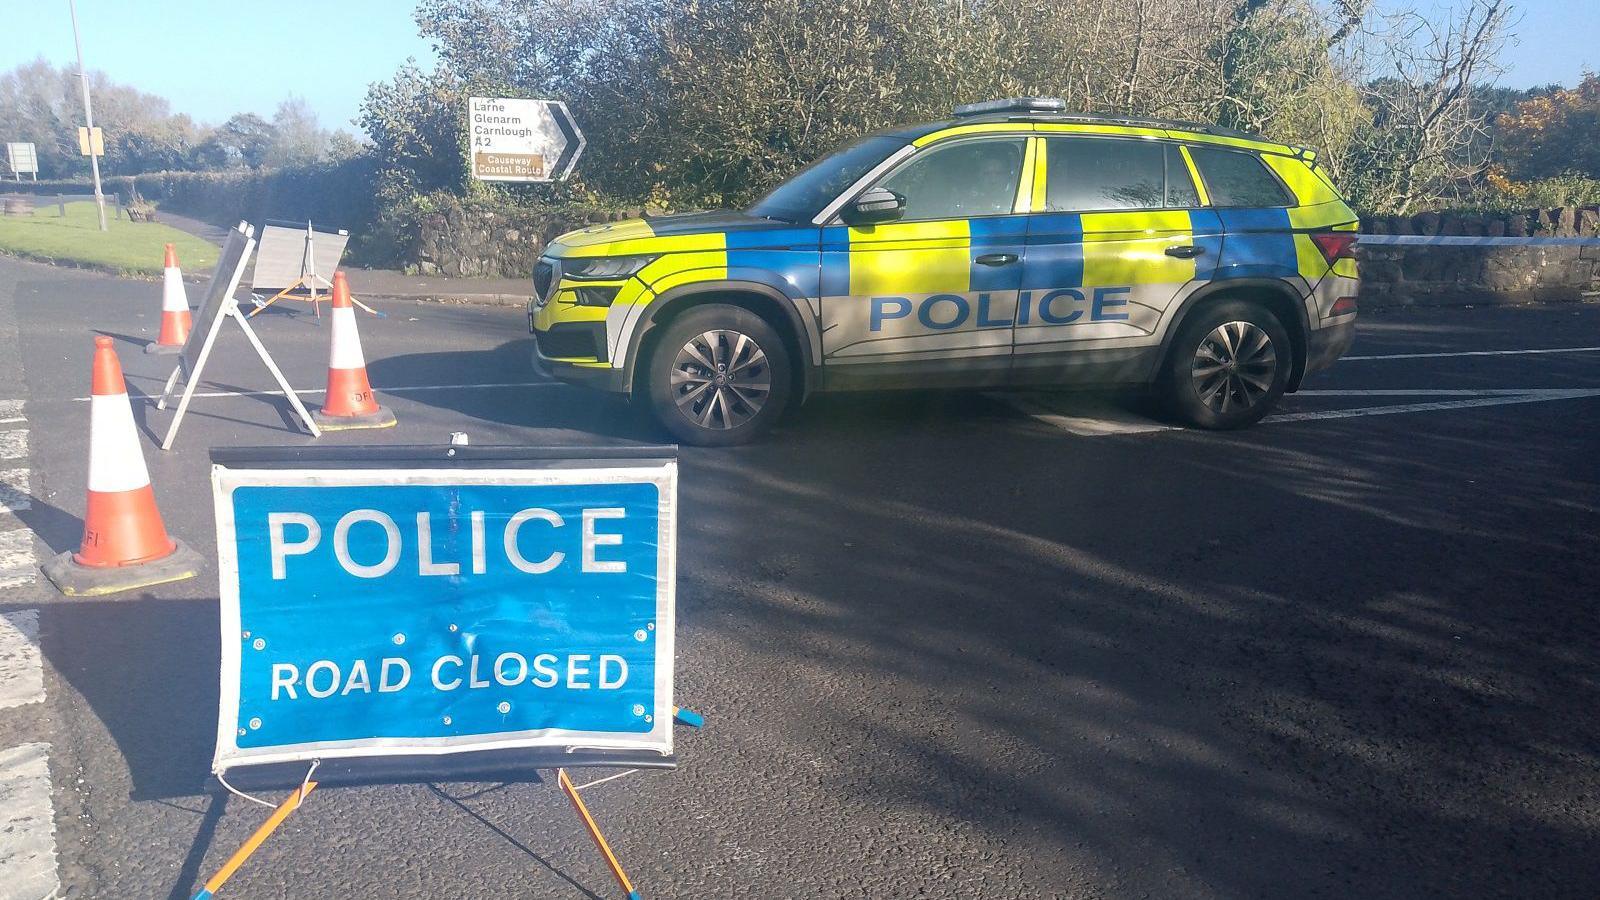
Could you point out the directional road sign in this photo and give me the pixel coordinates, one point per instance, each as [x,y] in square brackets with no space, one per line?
[522,140]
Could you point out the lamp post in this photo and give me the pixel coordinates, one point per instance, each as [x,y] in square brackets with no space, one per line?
[88,117]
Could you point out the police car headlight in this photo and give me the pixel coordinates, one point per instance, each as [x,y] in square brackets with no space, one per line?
[606,267]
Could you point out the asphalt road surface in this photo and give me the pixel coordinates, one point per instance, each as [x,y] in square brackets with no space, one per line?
[947,645]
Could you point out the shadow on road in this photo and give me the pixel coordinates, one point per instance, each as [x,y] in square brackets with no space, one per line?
[584,413]
[147,667]
[1239,669]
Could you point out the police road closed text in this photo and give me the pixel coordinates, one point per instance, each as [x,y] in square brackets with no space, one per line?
[390,542]
[446,612]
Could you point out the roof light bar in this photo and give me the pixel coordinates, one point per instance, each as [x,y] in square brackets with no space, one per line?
[1013,104]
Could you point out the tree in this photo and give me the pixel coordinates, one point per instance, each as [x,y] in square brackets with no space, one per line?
[708,102]
[416,122]
[245,139]
[296,137]
[1554,134]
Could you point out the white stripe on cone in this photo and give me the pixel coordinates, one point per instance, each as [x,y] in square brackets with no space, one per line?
[116,461]
[345,350]
[173,297]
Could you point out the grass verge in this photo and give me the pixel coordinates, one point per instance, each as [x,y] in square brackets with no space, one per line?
[126,248]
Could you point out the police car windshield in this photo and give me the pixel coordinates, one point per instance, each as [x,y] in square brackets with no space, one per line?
[810,189]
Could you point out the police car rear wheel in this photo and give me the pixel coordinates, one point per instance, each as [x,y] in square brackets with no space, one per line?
[718,375]
[1228,367]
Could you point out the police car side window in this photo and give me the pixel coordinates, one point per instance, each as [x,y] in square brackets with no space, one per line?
[1236,178]
[1098,173]
[962,180]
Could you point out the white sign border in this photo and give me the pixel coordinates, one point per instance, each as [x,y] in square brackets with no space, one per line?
[664,475]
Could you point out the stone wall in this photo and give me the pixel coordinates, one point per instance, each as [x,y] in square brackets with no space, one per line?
[1434,276]
[472,240]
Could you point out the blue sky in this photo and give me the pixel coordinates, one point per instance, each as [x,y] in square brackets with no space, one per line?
[212,59]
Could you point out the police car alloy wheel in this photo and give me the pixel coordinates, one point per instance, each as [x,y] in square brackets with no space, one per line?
[718,375]
[1228,366]
[721,379]
[1234,367]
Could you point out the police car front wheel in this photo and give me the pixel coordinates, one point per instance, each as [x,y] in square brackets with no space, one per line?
[718,375]
[1228,366]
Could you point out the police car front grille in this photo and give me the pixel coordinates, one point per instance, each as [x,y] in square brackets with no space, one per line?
[574,340]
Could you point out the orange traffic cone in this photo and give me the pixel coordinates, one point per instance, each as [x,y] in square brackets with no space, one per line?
[350,402]
[125,545]
[174,309]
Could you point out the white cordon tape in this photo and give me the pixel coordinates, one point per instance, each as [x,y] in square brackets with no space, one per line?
[1449,240]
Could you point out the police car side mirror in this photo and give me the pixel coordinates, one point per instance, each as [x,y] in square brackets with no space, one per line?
[875,207]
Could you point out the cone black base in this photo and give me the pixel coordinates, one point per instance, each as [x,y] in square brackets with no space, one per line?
[163,349]
[76,580]
[383,418]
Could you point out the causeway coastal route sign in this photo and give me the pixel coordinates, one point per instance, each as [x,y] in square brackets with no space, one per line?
[522,140]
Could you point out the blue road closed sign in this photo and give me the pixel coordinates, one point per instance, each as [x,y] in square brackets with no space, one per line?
[371,612]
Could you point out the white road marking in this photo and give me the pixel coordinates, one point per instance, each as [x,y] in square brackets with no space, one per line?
[1502,400]
[1420,392]
[21,675]
[12,421]
[14,444]
[402,389]
[10,410]
[1469,353]
[16,557]
[14,495]
[1087,416]
[27,825]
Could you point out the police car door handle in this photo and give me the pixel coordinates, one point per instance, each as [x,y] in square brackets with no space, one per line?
[997,259]
[1185,251]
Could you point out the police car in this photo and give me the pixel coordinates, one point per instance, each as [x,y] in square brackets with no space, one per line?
[1013,245]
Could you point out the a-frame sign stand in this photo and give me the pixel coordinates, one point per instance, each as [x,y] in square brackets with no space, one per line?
[309,280]
[220,305]
[294,800]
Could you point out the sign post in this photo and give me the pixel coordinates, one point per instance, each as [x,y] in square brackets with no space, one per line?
[402,613]
[89,138]
[522,140]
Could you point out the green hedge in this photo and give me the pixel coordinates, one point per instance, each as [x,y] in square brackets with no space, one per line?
[338,195]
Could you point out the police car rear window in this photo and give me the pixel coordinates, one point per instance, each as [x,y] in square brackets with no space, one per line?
[1235,178]
[1107,174]
[1096,173]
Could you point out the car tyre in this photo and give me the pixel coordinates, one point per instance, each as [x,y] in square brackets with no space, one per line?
[1228,366]
[717,376]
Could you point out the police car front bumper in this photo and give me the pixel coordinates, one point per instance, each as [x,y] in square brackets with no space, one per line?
[565,352]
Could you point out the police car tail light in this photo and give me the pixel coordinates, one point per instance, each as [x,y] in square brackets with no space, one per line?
[1343,306]
[602,268]
[1335,244]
